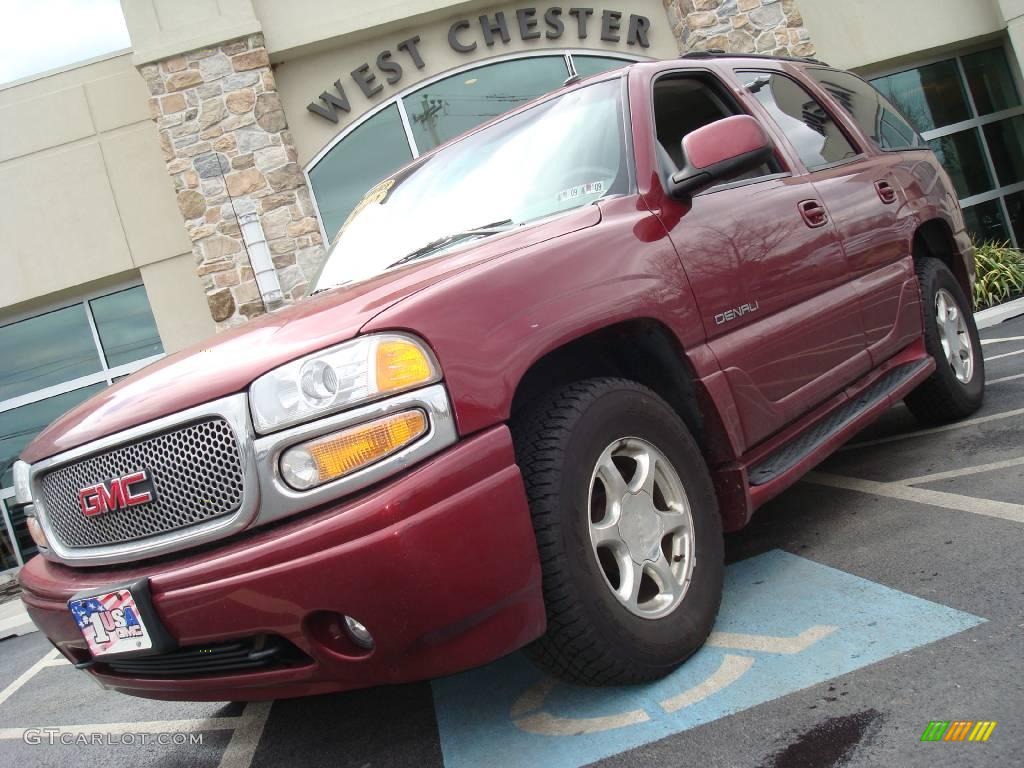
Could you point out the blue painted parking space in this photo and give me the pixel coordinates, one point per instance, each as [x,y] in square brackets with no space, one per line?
[786,623]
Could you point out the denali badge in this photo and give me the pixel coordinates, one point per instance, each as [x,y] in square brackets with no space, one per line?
[121,492]
[733,314]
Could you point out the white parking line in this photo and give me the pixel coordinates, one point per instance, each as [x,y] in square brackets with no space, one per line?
[1005,354]
[247,727]
[1004,378]
[897,490]
[246,738]
[27,675]
[1000,341]
[935,430]
[976,469]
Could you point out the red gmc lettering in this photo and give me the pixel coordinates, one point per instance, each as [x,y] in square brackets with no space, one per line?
[97,499]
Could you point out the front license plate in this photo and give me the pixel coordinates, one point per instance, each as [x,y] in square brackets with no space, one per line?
[111,623]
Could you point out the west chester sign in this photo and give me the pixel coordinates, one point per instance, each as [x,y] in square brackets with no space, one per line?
[466,36]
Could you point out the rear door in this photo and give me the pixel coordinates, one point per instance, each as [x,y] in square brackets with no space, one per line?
[869,203]
[764,261]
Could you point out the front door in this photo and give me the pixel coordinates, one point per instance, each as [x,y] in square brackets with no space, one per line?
[768,271]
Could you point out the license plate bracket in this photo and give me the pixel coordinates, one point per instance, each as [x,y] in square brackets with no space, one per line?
[119,620]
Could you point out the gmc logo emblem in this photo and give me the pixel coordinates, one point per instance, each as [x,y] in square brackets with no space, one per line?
[119,493]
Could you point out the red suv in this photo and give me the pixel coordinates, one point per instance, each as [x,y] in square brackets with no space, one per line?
[544,367]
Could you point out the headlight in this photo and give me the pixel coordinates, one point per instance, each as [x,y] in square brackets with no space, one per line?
[358,371]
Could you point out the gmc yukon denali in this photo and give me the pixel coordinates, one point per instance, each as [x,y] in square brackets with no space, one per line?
[544,367]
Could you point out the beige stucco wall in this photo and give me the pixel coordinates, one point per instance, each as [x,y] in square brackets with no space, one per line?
[859,33]
[84,195]
[302,79]
[178,301]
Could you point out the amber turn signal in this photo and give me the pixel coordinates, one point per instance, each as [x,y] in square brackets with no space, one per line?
[329,457]
[401,364]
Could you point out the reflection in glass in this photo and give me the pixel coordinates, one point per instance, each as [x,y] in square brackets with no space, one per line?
[990,80]
[1015,207]
[564,153]
[594,65]
[1006,145]
[126,327]
[815,135]
[985,222]
[929,97]
[19,425]
[962,157]
[443,110]
[46,350]
[875,116]
[375,149]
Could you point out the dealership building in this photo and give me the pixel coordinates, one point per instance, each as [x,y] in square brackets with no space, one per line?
[153,196]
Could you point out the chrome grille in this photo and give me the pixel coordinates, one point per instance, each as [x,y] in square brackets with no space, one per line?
[196,472]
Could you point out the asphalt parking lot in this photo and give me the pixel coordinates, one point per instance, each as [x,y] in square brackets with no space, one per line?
[882,593]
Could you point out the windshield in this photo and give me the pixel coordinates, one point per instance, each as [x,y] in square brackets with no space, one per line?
[562,154]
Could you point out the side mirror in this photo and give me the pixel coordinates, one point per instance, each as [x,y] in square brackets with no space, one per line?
[720,150]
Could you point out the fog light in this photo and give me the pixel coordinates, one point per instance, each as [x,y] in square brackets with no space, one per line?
[35,530]
[359,634]
[332,456]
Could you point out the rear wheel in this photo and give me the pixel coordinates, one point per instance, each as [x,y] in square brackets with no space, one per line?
[628,532]
[957,387]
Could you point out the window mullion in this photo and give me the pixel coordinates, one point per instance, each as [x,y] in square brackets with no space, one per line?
[407,127]
[96,338]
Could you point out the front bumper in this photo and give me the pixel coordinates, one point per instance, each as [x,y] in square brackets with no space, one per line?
[440,564]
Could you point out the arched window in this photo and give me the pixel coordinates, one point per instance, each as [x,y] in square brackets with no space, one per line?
[428,115]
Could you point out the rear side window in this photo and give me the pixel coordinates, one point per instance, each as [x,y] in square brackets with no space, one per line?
[810,127]
[869,109]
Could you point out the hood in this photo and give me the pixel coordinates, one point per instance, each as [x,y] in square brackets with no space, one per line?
[230,361]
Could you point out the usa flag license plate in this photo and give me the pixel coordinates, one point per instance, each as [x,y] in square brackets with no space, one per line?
[111,623]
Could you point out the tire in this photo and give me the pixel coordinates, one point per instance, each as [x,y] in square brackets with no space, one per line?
[943,397]
[592,637]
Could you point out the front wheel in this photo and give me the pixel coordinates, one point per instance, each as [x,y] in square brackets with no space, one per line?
[957,387]
[628,531]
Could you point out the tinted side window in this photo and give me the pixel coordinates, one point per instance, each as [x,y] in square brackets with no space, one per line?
[869,109]
[817,138]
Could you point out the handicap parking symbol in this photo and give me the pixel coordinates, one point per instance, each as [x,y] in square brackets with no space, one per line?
[786,623]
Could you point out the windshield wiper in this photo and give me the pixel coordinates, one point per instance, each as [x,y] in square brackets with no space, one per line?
[487,229]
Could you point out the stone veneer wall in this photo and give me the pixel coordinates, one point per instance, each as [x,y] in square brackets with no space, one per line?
[229,152]
[772,27]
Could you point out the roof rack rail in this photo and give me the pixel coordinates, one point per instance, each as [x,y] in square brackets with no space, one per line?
[714,53]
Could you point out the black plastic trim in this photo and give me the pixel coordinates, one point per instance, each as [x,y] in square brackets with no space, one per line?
[789,455]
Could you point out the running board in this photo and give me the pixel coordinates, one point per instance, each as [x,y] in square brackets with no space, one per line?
[790,454]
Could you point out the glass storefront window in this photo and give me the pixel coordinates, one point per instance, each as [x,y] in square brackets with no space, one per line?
[929,97]
[1006,144]
[594,65]
[372,151]
[979,140]
[434,114]
[53,362]
[19,425]
[443,110]
[990,80]
[125,326]
[46,350]
[963,158]
[985,222]
[1015,209]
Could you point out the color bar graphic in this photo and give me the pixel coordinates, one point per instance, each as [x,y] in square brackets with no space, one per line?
[958,730]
